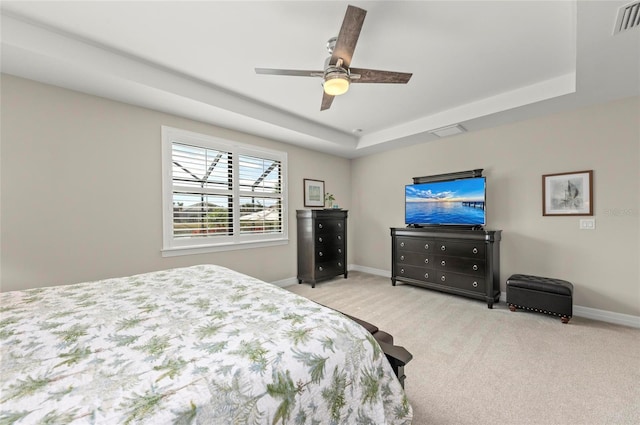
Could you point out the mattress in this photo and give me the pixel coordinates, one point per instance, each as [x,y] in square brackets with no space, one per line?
[194,345]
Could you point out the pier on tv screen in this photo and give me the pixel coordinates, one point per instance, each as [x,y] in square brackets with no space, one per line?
[451,202]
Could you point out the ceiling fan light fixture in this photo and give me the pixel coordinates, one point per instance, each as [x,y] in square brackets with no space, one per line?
[336,83]
[337,73]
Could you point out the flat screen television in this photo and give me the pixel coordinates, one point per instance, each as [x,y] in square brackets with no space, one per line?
[450,202]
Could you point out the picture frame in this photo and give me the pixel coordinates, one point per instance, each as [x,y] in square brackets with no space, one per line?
[567,193]
[313,193]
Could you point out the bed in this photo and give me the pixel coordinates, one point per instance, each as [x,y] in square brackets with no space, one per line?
[193,345]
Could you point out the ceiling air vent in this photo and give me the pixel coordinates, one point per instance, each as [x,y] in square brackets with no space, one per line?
[450,130]
[628,17]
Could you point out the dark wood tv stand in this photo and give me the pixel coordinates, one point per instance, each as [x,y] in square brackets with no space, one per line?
[458,261]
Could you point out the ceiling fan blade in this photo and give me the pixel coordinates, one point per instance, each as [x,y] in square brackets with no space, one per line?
[348,35]
[375,76]
[290,72]
[327,100]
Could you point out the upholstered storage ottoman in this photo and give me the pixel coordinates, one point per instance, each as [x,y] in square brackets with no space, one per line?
[542,294]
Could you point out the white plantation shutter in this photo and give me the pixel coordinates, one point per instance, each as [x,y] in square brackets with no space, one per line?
[202,191]
[260,183]
[220,195]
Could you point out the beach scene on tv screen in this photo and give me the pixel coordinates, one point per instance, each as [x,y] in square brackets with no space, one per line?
[450,202]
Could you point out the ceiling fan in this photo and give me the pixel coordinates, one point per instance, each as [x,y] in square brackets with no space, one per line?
[338,74]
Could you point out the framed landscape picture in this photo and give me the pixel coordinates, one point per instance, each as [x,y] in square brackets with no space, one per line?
[568,193]
[313,193]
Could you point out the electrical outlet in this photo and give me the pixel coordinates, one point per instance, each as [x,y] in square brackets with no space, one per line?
[587,223]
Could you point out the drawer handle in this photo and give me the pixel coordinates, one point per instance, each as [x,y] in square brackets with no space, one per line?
[402,271]
[426,275]
[475,267]
[426,246]
[402,244]
[320,254]
[443,263]
[320,225]
[443,278]
[319,239]
[402,258]
[426,261]
[320,268]
[443,248]
[475,284]
[475,250]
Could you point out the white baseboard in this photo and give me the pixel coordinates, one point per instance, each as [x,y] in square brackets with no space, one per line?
[607,316]
[370,270]
[578,311]
[286,282]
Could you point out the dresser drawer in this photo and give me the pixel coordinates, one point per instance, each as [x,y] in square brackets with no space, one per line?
[414,258]
[418,273]
[461,281]
[472,266]
[329,268]
[461,249]
[414,245]
[329,239]
[324,226]
[328,253]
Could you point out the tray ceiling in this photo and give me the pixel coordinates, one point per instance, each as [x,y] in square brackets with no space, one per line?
[475,63]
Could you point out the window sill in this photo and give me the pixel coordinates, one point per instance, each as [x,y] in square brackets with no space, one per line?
[204,249]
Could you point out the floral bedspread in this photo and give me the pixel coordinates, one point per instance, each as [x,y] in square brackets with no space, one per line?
[195,345]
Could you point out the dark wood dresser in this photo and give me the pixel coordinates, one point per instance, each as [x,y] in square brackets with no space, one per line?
[322,244]
[463,262]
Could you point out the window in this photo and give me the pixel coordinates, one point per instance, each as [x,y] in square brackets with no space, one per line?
[220,195]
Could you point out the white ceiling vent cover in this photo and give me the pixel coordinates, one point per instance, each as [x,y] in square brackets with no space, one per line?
[450,130]
[628,17]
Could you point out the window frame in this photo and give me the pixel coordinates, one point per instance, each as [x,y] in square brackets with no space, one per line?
[174,246]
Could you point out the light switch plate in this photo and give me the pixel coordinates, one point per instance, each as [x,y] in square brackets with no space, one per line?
[587,223]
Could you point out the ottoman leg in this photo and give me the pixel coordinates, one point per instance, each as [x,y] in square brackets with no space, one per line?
[512,307]
[565,319]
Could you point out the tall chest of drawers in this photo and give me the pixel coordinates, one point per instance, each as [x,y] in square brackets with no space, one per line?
[463,262]
[322,244]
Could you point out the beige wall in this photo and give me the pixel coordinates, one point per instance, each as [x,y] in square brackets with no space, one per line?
[602,264]
[81,194]
[81,190]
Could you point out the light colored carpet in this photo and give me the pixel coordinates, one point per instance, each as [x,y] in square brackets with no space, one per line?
[475,365]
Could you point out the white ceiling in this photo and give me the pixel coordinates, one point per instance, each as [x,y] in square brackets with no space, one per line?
[478,63]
